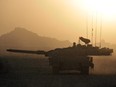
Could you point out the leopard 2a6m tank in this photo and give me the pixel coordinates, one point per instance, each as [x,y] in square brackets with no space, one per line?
[78,57]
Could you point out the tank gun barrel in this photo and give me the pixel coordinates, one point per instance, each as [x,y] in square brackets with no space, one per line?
[27,51]
[84,51]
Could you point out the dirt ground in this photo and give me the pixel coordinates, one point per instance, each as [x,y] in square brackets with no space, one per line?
[34,71]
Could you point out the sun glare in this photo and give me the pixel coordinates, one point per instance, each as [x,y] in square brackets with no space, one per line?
[105,7]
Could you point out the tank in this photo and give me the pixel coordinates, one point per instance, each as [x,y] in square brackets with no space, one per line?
[77,57]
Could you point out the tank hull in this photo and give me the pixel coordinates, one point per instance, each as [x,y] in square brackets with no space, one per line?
[81,64]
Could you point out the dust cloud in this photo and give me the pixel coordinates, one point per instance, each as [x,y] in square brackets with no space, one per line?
[105,64]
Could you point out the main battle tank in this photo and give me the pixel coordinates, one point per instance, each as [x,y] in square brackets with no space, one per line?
[78,57]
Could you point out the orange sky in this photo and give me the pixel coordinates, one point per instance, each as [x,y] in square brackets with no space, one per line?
[61,19]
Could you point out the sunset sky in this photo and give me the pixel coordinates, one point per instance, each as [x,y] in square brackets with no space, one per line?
[61,19]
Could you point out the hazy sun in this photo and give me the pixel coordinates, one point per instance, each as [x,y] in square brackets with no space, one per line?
[105,7]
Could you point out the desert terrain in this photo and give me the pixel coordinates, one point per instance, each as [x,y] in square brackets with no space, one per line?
[26,70]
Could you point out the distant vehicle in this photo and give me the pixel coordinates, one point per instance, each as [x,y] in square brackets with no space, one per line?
[78,57]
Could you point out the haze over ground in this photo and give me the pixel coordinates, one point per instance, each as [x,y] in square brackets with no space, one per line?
[62,19]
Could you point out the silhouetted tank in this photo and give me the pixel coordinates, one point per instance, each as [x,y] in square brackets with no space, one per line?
[78,57]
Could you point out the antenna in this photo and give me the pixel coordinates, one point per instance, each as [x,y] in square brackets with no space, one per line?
[87,25]
[100,30]
[92,31]
[96,30]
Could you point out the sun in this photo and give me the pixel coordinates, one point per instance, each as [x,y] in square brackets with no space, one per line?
[105,7]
